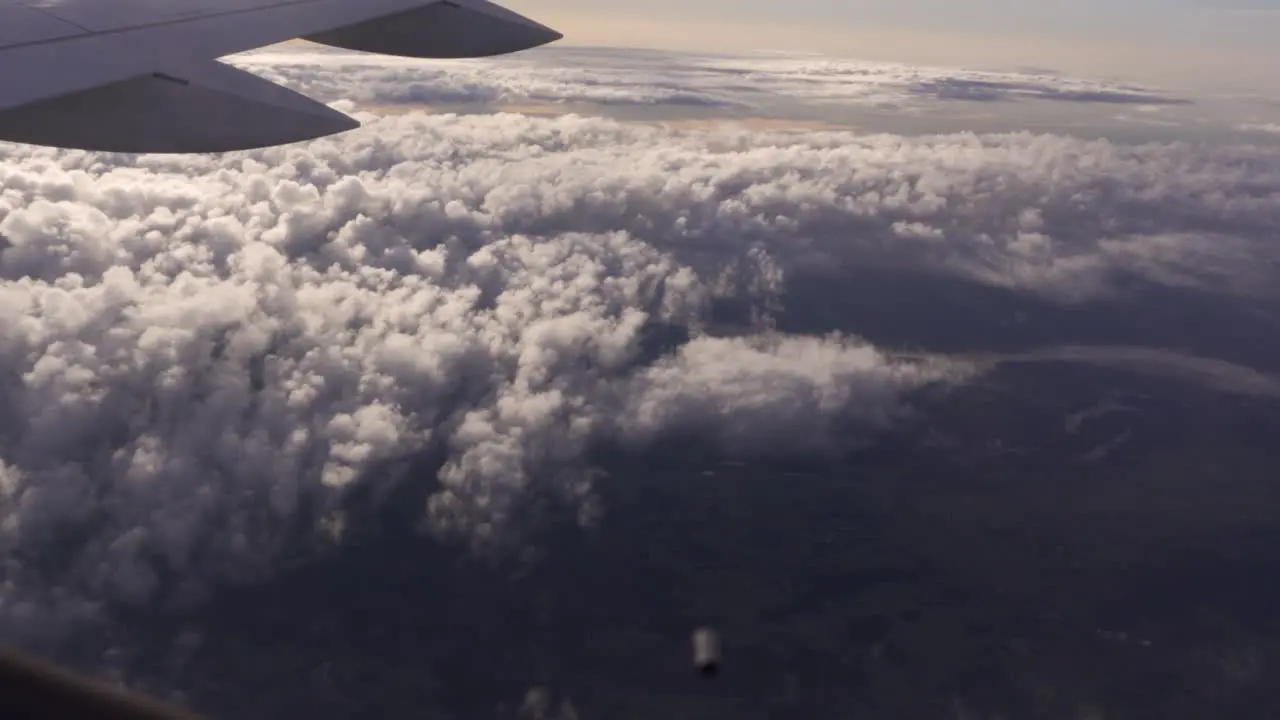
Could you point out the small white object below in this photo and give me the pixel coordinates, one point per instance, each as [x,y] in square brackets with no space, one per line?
[706,651]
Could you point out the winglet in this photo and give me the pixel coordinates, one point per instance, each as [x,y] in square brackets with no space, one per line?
[445,29]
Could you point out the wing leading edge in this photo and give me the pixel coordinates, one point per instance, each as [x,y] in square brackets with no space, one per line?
[147,78]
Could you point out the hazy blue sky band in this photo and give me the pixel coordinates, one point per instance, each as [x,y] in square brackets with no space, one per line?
[1211,43]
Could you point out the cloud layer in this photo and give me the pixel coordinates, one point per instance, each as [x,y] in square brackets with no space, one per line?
[674,80]
[200,353]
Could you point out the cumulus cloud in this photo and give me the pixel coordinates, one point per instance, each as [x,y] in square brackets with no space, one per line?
[200,353]
[787,389]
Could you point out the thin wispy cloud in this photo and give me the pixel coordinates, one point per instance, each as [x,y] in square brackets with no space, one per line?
[1272,128]
[674,79]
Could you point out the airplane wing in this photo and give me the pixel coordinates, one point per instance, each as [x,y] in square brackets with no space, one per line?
[31,689]
[144,75]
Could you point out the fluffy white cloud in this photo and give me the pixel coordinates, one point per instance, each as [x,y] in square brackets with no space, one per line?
[197,352]
[791,390]
[196,349]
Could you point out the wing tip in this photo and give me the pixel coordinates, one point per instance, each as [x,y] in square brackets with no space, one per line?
[451,29]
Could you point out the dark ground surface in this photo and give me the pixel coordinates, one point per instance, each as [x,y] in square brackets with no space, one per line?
[980,561]
[1049,541]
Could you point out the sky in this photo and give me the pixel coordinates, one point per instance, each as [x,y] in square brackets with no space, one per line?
[1221,44]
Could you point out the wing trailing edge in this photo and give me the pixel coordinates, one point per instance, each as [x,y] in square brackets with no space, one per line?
[445,29]
[204,107]
[141,76]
